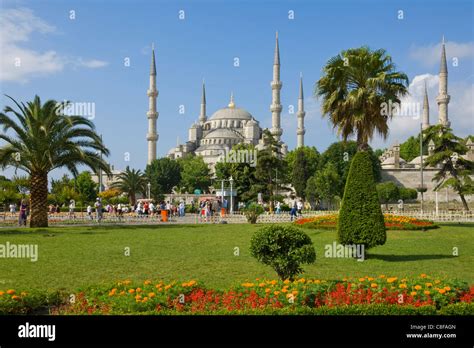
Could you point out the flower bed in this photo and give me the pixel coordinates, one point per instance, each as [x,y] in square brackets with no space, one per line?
[392,222]
[366,295]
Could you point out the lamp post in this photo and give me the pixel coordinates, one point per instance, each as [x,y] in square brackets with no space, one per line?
[149,190]
[231,180]
[421,166]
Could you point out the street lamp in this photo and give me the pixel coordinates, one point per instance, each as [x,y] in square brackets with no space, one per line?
[149,190]
[231,180]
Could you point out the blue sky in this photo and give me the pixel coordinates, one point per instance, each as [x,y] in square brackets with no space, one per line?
[82,60]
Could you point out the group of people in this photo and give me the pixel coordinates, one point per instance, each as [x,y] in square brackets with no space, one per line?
[209,208]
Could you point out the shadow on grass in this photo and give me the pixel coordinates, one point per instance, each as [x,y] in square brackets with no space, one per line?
[28,231]
[142,227]
[403,258]
[456,224]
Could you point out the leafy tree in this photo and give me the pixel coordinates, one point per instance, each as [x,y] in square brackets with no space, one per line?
[311,192]
[300,173]
[388,192]
[410,149]
[85,187]
[311,156]
[163,174]
[9,192]
[130,182]
[252,212]
[454,170]
[284,248]
[360,218]
[340,154]
[354,86]
[270,161]
[242,173]
[195,173]
[327,181]
[42,138]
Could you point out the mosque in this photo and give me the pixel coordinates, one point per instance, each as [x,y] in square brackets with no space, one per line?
[212,137]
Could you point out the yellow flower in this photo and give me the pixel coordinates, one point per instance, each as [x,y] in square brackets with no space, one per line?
[158,286]
[261,285]
[417,287]
[1,293]
[284,290]
[413,293]
[139,290]
[391,280]
[427,292]
[145,299]
[23,293]
[273,282]
[309,281]
[361,279]
[168,286]
[294,292]
[138,297]
[428,285]
[248,285]
[131,291]
[302,280]
[423,275]
[373,285]
[382,276]
[191,283]
[151,295]
[447,288]
[287,281]
[403,280]
[267,290]
[402,286]
[126,282]
[370,279]
[122,292]
[147,282]
[277,293]
[437,281]
[441,291]
[317,281]
[10,292]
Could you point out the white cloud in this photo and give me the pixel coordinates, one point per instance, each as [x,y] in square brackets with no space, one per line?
[19,63]
[429,55]
[460,110]
[93,63]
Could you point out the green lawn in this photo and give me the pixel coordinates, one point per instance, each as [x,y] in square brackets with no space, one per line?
[72,257]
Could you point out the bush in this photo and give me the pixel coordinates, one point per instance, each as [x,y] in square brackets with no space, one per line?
[252,212]
[283,248]
[461,308]
[388,192]
[360,219]
[408,194]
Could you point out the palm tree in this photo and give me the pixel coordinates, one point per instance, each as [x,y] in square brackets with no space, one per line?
[354,87]
[130,182]
[448,155]
[42,138]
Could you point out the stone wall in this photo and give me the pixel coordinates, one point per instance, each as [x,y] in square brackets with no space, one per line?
[411,178]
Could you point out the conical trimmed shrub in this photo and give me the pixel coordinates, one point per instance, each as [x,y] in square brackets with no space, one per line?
[360,218]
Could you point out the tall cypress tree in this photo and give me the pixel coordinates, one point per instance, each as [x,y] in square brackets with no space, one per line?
[300,173]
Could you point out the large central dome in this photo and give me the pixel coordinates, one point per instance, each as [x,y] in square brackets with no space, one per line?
[231,112]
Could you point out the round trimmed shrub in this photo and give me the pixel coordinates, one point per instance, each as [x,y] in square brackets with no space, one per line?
[284,248]
[360,219]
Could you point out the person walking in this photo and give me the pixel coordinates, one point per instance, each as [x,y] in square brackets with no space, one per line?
[278,207]
[293,211]
[72,207]
[23,214]
[98,209]
[300,207]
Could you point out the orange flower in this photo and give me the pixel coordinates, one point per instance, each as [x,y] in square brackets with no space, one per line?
[428,285]
[402,286]
[284,290]
[168,286]
[382,276]
[370,279]
[447,288]
[261,285]
[413,293]
[426,292]
[10,292]
[361,279]
[151,295]
[1,293]
[248,285]
[287,281]
[147,282]
[138,297]
[158,286]
[373,285]
[423,275]
[16,298]
[441,291]
[139,290]
[277,293]
[417,287]
[391,280]
[294,292]
[131,291]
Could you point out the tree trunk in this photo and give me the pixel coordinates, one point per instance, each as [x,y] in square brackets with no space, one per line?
[39,199]
[464,203]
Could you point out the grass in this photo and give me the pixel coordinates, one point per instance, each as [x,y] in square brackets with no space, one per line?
[73,257]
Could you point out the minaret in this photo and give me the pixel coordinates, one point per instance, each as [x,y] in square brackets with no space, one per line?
[300,114]
[426,110]
[276,84]
[152,135]
[202,116]
[443,97]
